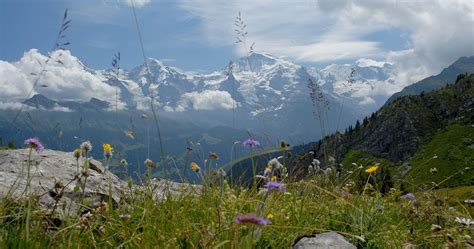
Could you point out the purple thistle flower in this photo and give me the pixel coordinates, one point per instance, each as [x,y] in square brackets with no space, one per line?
[251,218]
[250,143]
[34,143]
[274,185]
[409,196]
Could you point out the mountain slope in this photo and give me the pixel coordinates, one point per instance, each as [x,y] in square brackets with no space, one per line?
[411,129]
[449,74]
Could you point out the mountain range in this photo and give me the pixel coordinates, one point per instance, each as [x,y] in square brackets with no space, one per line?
[259,95]
[259,92]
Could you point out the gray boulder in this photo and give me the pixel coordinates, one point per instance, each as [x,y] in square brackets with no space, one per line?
[54,174]
[330,240]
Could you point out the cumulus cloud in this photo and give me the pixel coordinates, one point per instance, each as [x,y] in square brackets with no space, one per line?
[65,81]
[434,33]
[207,100]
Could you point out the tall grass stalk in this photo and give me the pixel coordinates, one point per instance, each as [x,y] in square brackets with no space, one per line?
[152,96]
[58,44]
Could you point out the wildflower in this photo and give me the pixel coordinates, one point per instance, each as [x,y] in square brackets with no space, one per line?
[465,221]
[409,196]
[86,147]
[35,144]
[149,164]
[125,217]
[435,156]
[124,162]
[270,216]
[328,171]
[77,153]
[275,164]
[250,143]
[434,170]
[371,169]
[274,178]
[213,155]
[283,144]
[274,185]
[221,172]
[107,150]
[251,218]
[267,171]
[195,167]
[129,134]
[310,169]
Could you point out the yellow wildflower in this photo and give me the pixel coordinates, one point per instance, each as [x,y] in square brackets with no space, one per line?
[371,169]
[195,167]
[274,178]
[107,148]
[77,153]
[270,216]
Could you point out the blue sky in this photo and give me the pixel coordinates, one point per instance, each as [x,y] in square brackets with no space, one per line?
[101,28]
[198,35]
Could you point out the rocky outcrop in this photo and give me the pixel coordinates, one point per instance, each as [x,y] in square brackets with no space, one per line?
[330,240]
[55,176]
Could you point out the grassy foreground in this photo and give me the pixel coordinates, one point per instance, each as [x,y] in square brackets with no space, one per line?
[207,220]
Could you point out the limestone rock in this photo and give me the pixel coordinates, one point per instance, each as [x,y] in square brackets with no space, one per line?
[330,240]
[55,168]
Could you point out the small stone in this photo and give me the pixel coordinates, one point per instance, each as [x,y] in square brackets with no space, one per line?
[435,228]
[330,240]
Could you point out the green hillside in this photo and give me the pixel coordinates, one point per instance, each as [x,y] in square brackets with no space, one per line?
[450,152]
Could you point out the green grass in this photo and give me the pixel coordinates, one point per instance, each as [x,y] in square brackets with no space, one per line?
[450,152]
[364,158]
[206,220]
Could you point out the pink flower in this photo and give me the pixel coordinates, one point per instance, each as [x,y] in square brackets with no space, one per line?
[213,155]
[34,143]
[250,143]
[251,218]
[274,185]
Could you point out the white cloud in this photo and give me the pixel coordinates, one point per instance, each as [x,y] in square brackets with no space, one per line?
[367,101]
[136,3]
[58,108]
[207,100]
[435,33]
[18,106]
[14,106]
[69,81]
[363,62]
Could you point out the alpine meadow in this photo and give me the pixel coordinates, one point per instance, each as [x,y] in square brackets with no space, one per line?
[236,124]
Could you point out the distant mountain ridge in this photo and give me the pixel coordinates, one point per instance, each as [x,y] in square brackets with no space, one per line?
[449,74]
[41,102]
[261,93]
[254,90]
